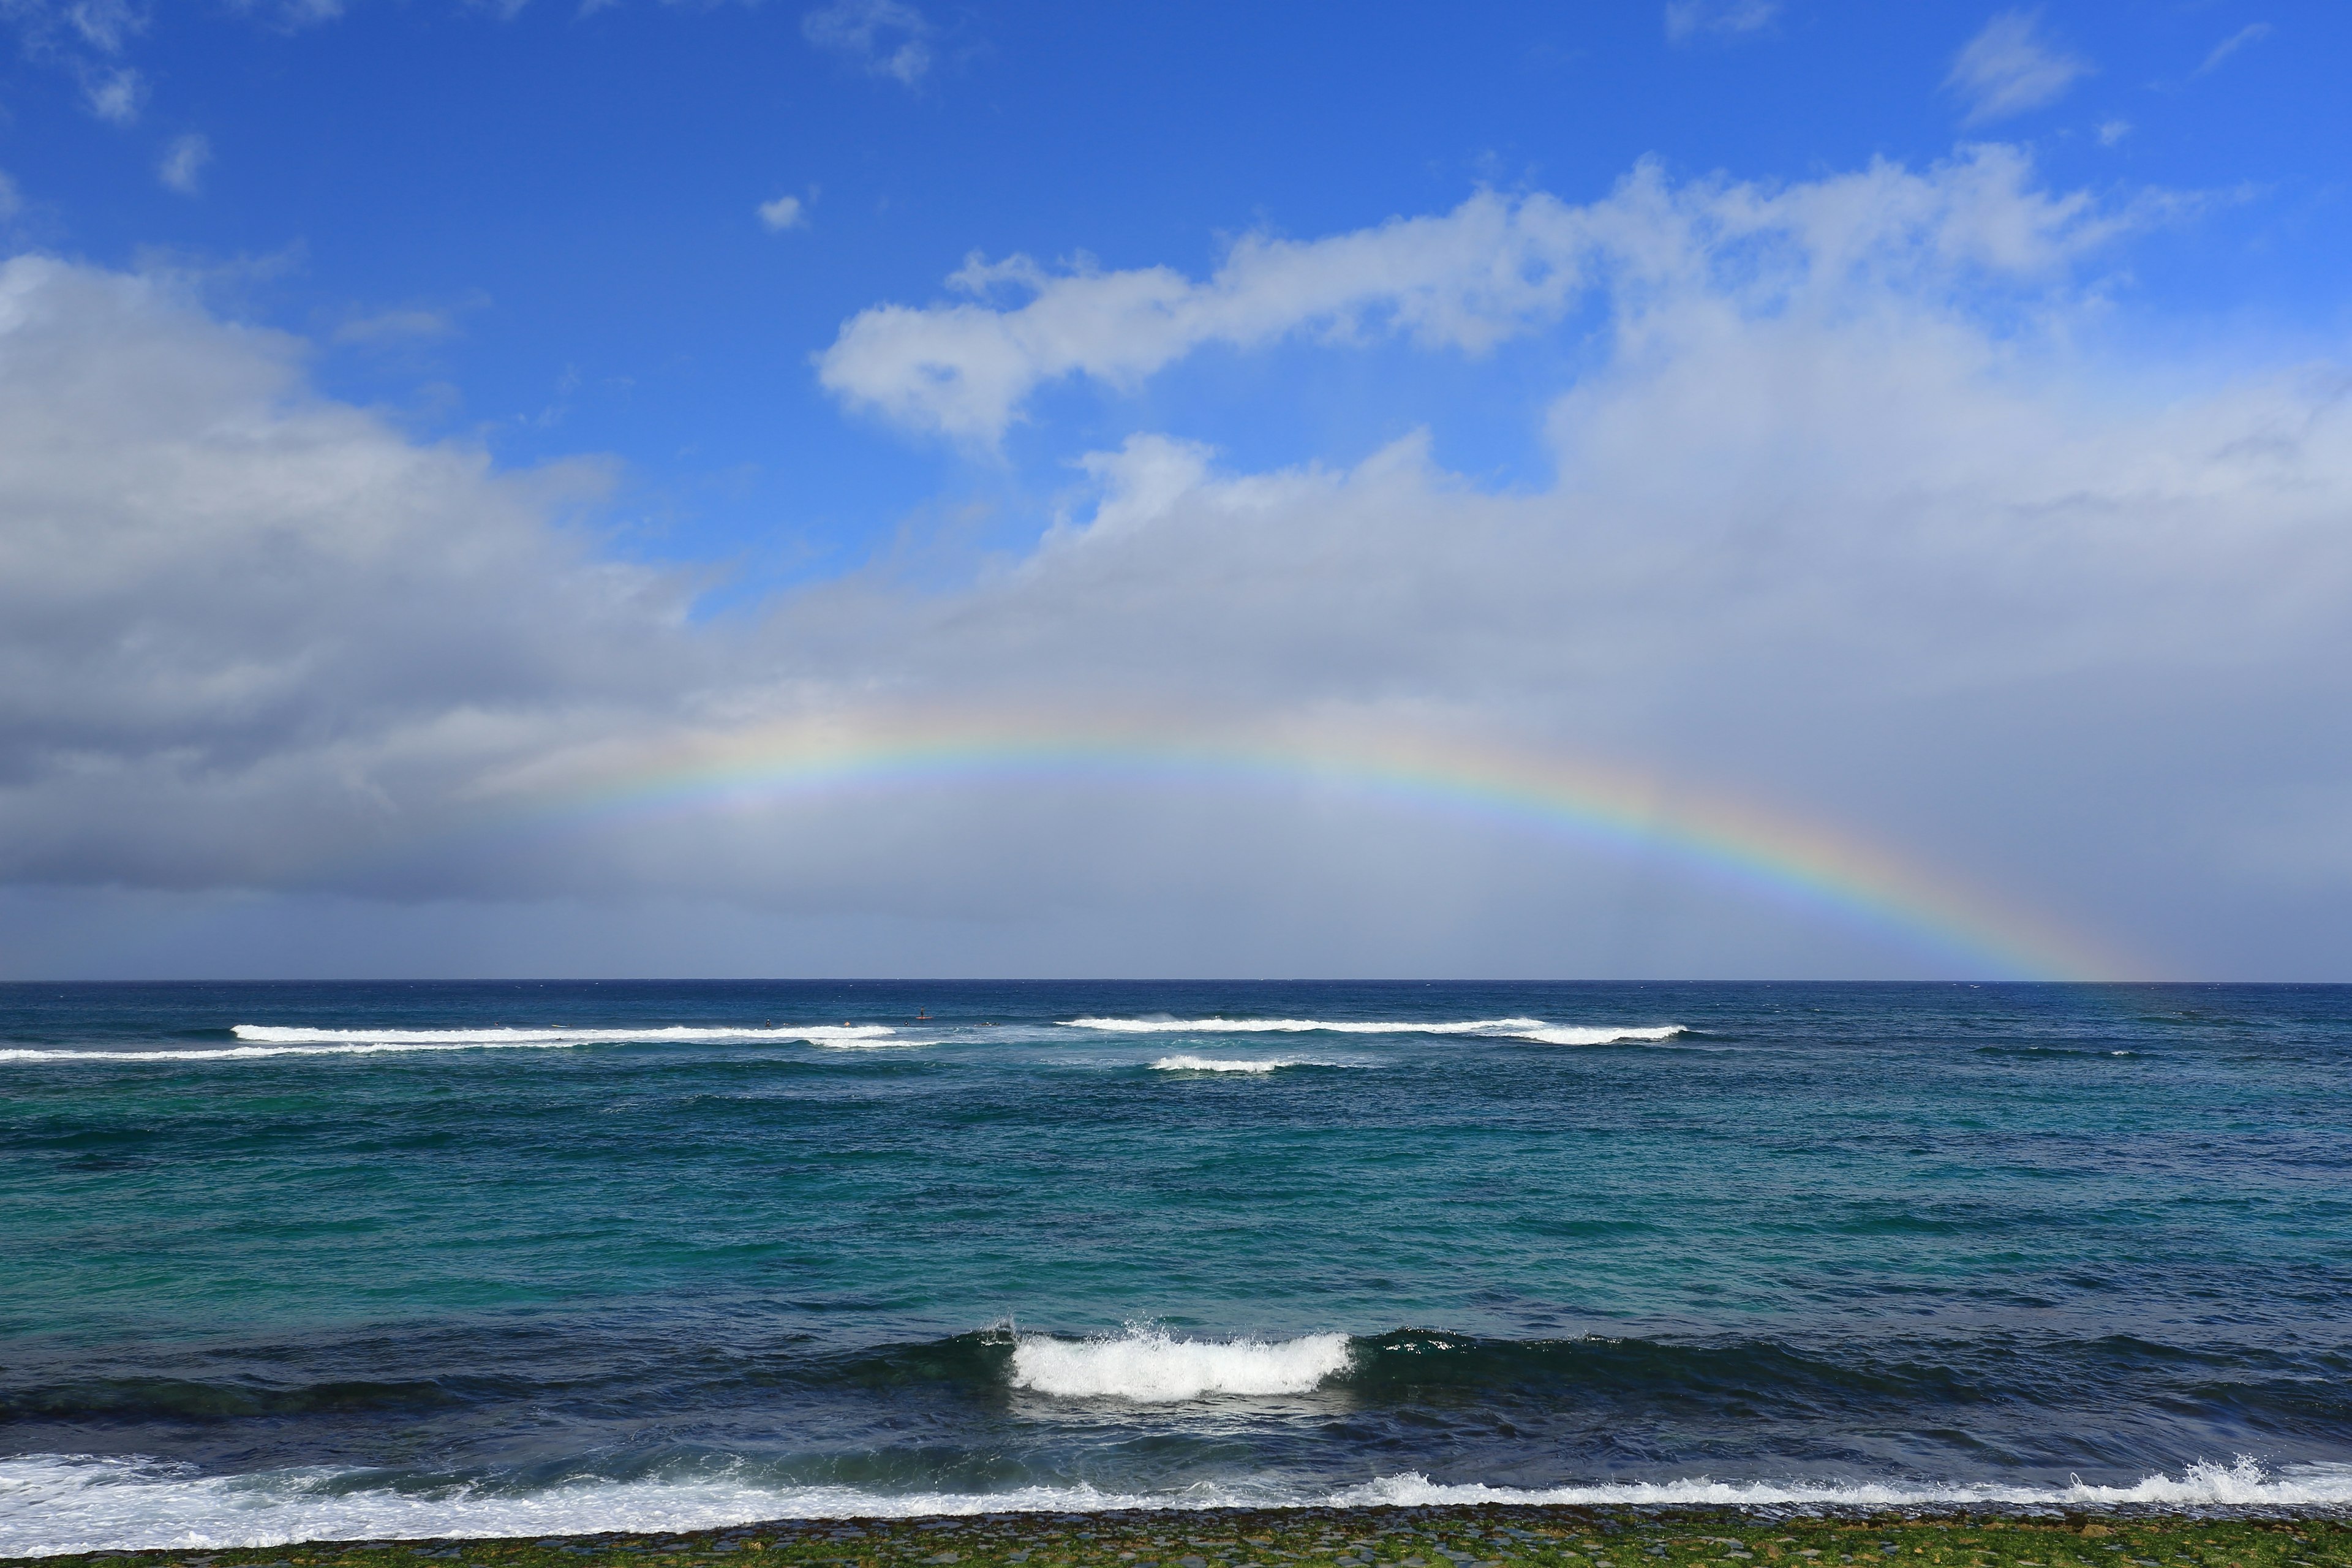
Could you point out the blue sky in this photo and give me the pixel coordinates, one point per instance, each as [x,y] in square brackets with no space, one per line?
[622,278]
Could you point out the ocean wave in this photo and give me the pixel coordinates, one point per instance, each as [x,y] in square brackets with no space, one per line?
[1238,1064]
[2243,1483]
[1600,1037]
[56,1504]
[1296,1025]
[813,1033]
[53,1504]
[273,1040]
[1535,1029]
[1149,1366]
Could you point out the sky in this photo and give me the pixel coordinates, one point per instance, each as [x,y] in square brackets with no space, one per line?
[1732,489]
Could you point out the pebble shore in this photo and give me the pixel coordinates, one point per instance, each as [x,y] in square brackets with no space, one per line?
[1489,1537]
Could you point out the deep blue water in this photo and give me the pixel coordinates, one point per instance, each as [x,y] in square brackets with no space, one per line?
[722,1251]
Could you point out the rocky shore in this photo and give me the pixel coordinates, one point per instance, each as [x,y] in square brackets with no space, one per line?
[1491,1537]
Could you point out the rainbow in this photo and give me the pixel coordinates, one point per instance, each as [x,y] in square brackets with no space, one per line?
[1777,856]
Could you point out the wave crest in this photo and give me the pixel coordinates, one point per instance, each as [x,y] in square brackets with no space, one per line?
[2242,1483]
[261,1040]
[1236,1064]
[273,1034]
[1535,1029]
[1150,1367]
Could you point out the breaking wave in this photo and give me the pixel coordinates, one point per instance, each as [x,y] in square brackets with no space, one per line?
[2241,1484]
[275,1034]
[57,1504]
[1549,1035]
[1149,1366]
[1237,1064]
[1535,1029]
[274,1040]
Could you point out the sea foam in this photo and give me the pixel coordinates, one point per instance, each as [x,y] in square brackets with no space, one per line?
[1535,1029]
[1149,1366]
[55,1504]
[276,1034]
[277,1040]
[2241,1484]
[1594,1037]
[1237,1064]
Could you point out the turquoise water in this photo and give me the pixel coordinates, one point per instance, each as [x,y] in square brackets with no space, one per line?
[367,1260]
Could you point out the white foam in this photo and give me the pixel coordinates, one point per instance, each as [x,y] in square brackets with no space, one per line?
[1149,1366]
[1237,1064]
[274,1040]
[276,1034]
[1535,1029]
[2241,1484]
[1602,1037]
[54,1504]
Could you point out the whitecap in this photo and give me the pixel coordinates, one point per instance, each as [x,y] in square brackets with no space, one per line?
[1596,1036]
[1535,1029]
[813,1033]
[1149,1366]
[276,1040]
[1237,1064]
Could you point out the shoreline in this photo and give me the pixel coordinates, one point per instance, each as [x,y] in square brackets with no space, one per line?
[1469,1535]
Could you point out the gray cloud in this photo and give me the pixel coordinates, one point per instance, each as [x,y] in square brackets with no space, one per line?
[1842,528]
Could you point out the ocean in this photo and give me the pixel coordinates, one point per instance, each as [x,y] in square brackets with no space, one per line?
[376,1260]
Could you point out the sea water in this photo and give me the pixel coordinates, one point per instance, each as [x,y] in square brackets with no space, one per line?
[375,1260]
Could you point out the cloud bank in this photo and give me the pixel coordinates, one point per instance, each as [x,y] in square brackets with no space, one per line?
[1844,518]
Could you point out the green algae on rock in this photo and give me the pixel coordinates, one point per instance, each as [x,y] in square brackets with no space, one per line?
[1494,1537]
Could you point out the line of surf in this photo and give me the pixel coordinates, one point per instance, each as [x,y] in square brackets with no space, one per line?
[1257,1064]
[2244,1483]
[502,1035]
[63,1504]
[1535,1029]
[262,1040]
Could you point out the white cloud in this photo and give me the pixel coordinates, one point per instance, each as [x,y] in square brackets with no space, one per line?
[2010,67]
[411,326]
[183,163]
[2255,33]
[291,15]
[1494,268]
[2111,132]
[884,37]
[1842,519]
[783,212]
[56,26]
[1688,20]
[12,201]
[115,96]
[84,37]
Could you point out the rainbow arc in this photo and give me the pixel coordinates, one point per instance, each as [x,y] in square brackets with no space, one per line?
[1773,854]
